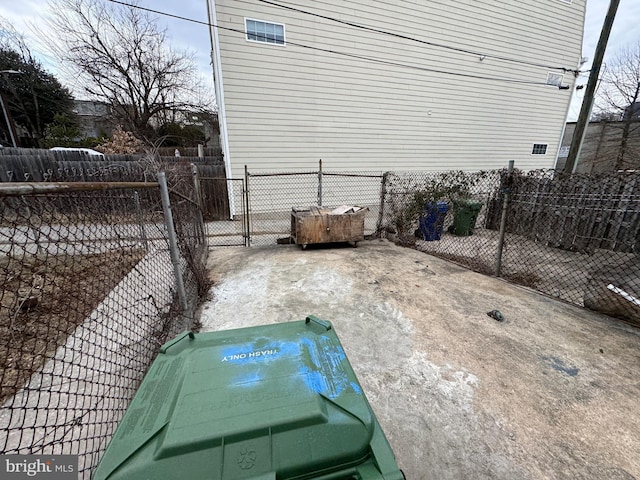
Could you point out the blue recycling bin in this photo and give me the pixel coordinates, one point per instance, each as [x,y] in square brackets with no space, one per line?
[432,222]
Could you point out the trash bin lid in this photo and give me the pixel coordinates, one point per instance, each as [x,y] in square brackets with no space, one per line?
[467,203]
[254,403]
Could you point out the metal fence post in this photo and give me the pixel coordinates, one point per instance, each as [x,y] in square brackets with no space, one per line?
[247,212]
[383,194]
[506,193]
[143,231]
[199,200]
[196,185]
[320,183]
[173,242]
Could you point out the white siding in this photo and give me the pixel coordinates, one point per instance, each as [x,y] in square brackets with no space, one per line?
[288,106]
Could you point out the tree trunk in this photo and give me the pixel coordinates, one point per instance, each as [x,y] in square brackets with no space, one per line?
[628,119]
[39,129]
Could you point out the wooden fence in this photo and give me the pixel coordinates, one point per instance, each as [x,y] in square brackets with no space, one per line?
[37,165]
[190,151]
[574,212]
[34,165]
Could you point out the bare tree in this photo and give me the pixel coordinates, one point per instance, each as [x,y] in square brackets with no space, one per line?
[121,56]
[618,96]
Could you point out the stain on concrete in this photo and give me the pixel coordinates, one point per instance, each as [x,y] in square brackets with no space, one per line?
[560,366]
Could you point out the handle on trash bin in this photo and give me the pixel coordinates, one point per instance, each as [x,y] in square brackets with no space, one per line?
[175,340]
[316,321]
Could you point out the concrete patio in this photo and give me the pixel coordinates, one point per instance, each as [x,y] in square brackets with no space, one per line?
[551,392]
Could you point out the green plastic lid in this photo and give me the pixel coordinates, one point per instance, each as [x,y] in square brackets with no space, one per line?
[278,401]
[467,203]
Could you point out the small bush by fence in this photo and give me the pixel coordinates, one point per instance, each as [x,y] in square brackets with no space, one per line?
[93,283]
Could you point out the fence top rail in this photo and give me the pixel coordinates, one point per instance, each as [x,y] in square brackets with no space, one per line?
[317,172]
[356,175]
[35,188]
[281,174]
[222,179]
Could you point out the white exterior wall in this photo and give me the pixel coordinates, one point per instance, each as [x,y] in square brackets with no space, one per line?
[287,106]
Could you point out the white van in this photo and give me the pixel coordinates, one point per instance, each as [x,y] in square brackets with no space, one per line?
[88,151]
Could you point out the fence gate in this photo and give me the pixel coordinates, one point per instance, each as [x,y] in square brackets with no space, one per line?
[271,195]
[224,211]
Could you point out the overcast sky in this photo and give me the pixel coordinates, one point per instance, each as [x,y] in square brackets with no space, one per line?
[186,35]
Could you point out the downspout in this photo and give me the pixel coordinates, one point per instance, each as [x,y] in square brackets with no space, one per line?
[219,92]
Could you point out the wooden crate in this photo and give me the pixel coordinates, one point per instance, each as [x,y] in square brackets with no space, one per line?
[319,225]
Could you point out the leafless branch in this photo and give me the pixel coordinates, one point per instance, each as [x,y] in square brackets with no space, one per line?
[124,58]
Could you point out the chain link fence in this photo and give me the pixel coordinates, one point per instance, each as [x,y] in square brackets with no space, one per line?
[224,206]
[576,238]
[90,291]
[273,195]
[97,276]
[572,237]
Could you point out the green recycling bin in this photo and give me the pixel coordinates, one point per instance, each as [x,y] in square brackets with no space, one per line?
[465,214]
[264,403]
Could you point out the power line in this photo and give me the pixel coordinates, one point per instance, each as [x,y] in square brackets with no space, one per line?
[413,39]
[335,52]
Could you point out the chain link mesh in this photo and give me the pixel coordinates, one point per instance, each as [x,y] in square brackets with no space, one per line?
[88,297]
[89,288]
[273,195]
[224,211]
[573,237]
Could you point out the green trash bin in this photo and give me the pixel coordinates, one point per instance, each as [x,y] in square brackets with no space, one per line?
[465,214]
[263,403]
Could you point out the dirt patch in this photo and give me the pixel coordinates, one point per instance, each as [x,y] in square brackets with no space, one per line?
[42,301]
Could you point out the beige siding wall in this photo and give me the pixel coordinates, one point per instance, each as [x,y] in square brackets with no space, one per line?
[288,106]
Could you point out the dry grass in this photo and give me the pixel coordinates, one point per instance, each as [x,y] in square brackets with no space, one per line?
[44,299]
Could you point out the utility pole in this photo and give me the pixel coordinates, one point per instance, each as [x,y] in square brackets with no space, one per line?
[589,94]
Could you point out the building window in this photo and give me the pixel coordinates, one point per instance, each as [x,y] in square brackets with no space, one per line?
[554,79]
[265,32]
[539,149]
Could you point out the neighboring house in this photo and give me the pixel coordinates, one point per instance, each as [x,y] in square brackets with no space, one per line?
[94,118]
[632,111]
[207,122]
[602,146]
[476,87]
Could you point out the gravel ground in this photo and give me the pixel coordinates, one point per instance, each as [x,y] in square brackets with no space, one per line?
[551,392]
